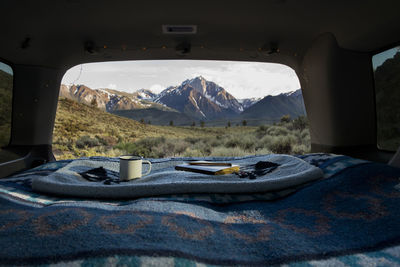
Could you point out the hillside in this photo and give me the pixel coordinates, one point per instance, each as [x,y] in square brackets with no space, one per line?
[156,116]
[274,107]
[110,100]
[83,130]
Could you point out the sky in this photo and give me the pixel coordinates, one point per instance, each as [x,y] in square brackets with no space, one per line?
[6,68]
[380,58]
[241,79]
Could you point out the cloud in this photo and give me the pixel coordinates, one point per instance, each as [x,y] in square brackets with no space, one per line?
[245,79]
[241,79]
[6,68]
[157,88]
[112,86]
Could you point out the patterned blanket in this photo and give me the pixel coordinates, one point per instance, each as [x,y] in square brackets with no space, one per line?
[349,217]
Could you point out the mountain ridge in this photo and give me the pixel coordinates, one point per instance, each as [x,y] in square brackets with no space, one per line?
[274,107]
[200,99]
[192,101]
[110,99]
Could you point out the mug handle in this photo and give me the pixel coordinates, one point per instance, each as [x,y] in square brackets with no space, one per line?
[149,170]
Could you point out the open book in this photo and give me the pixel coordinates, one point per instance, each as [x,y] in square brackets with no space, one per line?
[206,167]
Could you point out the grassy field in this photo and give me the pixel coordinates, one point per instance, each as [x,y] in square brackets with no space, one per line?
[81,130]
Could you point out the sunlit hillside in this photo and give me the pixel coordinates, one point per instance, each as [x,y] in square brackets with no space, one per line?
[83,130]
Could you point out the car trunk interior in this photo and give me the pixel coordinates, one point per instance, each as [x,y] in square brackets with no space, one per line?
[329,44]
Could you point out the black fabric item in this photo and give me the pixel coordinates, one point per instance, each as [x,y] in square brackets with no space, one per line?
[249,171]
[101,175]
[260,168]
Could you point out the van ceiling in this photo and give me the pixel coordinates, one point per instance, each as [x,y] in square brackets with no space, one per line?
[53,33]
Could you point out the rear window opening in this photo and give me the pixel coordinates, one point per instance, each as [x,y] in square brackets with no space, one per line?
[386,67]
[180,108]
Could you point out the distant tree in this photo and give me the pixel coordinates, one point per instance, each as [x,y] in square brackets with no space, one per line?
[244,123]
[285,118]
[171,123]
[193,124]
[300,123]
[228,124]
[202,124]
[142,121]
[149,122]
[93,103]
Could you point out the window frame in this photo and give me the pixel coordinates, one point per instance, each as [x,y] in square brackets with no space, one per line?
[371,55]
[11,65]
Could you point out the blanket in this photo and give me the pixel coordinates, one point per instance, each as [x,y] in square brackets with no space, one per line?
[348,217]
[164,179]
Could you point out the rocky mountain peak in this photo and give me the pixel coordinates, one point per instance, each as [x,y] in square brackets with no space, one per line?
[145,94]
[196,99]
[197,83]
[109,99]
[293,93]
[205,99]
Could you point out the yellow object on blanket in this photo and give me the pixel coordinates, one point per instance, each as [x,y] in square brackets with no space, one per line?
[208,168]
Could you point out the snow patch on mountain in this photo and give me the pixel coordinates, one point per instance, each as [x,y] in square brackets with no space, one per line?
[293,93]
[145,94]
[219,102]
[197,106]
[248,102]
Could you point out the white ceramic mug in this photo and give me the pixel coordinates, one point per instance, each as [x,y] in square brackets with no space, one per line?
[130,167]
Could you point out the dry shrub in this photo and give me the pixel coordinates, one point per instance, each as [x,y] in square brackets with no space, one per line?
[227,152]
[278,131]
[300,149]
[87,141]
[107,140]
[232,142]
[281,145]
[189,152]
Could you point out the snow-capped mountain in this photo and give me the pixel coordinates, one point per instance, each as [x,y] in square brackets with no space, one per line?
[296,93]
[201,99]
[145,94]
[193,100]
[274,107]
[108,99]
[248,102]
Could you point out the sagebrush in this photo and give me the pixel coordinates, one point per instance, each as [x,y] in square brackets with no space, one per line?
[83,130]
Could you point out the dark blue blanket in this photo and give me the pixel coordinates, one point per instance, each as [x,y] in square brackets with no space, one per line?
[356,208]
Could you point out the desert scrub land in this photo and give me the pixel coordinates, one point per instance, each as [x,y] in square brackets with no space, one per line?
[81,130]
